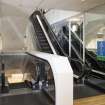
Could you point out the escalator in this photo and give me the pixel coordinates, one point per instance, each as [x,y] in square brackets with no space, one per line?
[42,41]
[91,57]
[91,69]
[92,78]
[80,69]
[77,53]
[45,37]
[96,75]
[48,42]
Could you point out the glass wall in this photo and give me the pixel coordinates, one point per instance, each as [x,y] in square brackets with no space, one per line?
[76,36]
[94,28]
[61,30]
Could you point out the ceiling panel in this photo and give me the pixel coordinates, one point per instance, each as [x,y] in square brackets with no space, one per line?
[77,5]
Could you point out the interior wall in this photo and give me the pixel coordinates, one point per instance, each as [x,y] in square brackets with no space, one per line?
[31,46]
[55,15]
[13,27]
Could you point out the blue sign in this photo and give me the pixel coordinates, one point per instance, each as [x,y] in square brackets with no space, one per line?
[101,48]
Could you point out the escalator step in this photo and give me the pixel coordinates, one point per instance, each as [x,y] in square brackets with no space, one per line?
[45,45]
[41,37]
[47,51]
[43,41]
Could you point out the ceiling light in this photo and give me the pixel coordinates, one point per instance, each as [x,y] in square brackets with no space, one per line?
[83,0]
[75,19]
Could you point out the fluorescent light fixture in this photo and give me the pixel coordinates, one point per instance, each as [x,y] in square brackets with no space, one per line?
[74,28]
[75,19]
[100,33]
[15,78]
[83,0]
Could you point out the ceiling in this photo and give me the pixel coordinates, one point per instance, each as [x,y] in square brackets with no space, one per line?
[77,5]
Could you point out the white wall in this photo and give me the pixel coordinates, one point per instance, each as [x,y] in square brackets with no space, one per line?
[55,15]
[29,39]
[13,27]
